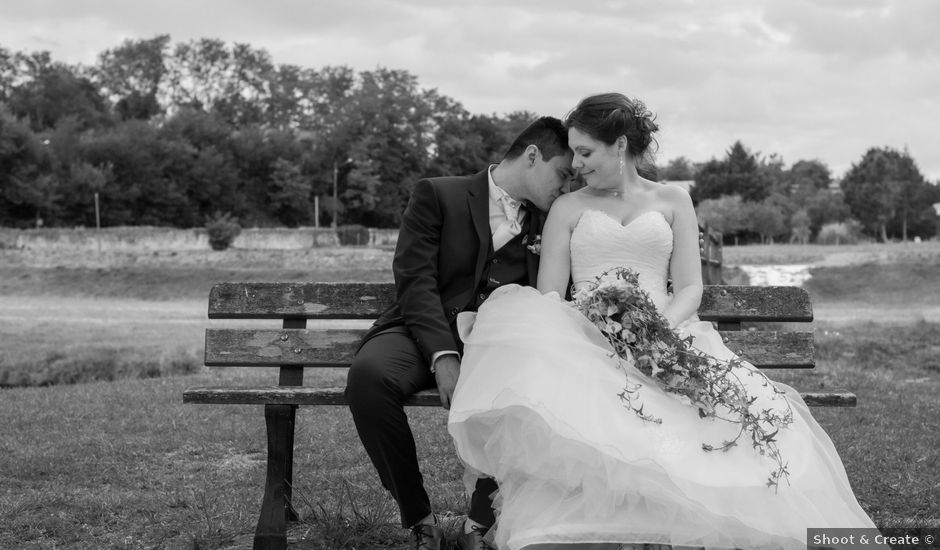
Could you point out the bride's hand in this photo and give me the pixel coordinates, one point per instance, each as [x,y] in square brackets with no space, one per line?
[446,372]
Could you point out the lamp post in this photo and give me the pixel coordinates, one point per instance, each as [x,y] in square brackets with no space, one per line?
[335,195]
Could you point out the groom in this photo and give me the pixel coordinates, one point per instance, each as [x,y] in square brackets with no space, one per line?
[460,238]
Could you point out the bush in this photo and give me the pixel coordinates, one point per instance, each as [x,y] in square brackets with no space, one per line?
[353,235]
[848,232]
[222,229]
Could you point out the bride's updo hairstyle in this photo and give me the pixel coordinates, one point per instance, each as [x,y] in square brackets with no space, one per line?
[606,117]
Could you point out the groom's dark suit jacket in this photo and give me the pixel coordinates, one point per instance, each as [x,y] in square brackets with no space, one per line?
[441,254]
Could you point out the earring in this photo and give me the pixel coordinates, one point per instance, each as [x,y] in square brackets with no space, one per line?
[621,165]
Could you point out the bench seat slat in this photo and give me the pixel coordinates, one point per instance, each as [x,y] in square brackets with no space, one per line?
[336,348]
[368,300]
[305,395]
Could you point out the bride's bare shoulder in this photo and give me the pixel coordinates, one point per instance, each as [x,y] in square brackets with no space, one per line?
[568,207]
[672,194]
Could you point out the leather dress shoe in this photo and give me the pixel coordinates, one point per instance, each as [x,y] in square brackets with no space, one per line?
[474,539]
[428,537]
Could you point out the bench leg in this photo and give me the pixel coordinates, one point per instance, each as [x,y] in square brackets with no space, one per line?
[291,513]
[271,533]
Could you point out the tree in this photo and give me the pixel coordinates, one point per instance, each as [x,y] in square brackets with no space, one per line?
[52,91]
[130,76]
[292,99]
[201,170]
[248,91]
[881,187]
[800,230]
[806,176]
[389,128]
[724,214]
[764,218]
[8,74]
[825,206]
[289,194]
[739,173]
[26,186]
[678,169]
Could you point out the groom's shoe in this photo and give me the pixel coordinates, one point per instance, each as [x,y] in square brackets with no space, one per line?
[474,539]
[427,536]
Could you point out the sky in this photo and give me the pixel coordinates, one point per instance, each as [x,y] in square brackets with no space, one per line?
[805,79]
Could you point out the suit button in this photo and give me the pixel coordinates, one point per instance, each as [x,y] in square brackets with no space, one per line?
[495,261]
[455,311]
[482,297]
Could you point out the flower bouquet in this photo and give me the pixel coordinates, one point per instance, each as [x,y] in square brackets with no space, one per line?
[641,336]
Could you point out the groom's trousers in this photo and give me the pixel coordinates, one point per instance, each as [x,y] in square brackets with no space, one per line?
[387,370]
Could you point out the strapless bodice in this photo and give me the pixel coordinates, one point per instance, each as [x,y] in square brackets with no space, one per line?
[600,243]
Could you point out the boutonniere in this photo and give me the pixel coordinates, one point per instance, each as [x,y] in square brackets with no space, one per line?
[536,246]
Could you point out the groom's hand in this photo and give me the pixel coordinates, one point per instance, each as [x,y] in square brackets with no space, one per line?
[446,372]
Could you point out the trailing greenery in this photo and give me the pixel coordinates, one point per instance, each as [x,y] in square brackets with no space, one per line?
[642,338]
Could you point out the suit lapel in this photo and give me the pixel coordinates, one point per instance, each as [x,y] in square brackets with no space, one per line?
[478,201]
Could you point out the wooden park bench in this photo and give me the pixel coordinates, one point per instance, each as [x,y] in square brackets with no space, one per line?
[295,347]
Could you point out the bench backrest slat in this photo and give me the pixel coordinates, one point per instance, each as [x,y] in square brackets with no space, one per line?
[335,348]
[367,300]
[305,300]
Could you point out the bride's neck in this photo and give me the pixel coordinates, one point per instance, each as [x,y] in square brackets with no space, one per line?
[630,182]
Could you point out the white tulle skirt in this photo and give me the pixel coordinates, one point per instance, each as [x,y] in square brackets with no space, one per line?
[537,408]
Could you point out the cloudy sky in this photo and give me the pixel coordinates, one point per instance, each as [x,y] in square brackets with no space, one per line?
[824,79]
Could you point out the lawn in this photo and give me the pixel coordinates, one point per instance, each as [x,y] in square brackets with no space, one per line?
[124,464]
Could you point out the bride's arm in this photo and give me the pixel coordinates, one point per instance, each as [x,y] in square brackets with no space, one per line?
[555,257]
[685,265]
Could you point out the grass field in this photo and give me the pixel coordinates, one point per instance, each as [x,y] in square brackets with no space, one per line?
[123,464]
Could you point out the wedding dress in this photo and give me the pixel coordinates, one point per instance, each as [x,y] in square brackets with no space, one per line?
[537,408]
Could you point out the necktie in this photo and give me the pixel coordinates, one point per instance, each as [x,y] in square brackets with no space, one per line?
[511,209]
[511,226]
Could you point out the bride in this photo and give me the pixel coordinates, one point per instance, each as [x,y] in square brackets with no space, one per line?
[537,406]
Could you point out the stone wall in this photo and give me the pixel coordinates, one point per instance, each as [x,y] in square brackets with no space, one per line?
[145,238]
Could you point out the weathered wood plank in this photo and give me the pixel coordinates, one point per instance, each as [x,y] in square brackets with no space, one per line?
[726,303]
[336,348]
[285,395]
[273,347]
[832,398]
[773,349]
[367,300]
[307,300]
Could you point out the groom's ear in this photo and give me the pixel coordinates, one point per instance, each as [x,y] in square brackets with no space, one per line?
[532,154]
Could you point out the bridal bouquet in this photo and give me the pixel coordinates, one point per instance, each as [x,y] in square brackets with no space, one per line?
[641,336]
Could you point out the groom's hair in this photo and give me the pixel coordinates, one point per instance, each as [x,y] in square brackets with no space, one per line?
[547,133]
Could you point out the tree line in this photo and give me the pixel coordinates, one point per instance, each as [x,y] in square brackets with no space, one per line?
[177,134]
[747,196]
